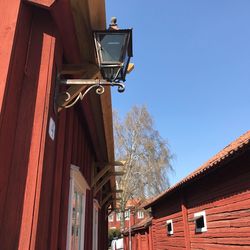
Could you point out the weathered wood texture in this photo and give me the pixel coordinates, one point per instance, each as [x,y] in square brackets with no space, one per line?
[9,30]
[40,62]
[224,195]
[41,3]
[141,240]
[35,169]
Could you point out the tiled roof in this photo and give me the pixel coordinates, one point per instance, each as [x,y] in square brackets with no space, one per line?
[143,224]
[236,146]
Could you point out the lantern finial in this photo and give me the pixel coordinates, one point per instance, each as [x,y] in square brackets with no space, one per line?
[113,24]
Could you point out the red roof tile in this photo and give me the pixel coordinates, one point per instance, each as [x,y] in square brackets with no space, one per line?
[230,150]
[140,225]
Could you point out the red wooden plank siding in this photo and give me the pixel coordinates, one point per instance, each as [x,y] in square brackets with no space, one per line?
[228,216]
[58,174]
[166,211]
[28,150]
[141,239]
[8,30]
[65,181]
[35,169]
[223,194]
[11,86]
[185,223]
[39,160]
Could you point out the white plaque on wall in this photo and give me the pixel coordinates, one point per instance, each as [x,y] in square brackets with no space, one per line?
[52,128]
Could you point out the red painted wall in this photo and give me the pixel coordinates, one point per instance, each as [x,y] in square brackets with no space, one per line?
[224,195]
[140,239]
[133,220]
[35,169]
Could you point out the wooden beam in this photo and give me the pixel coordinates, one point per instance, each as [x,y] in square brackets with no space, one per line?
[41,3]
[106,199]
[100,175]
[106,179]
[109,195]
[107,167]
[76,69]
[115,163]
[118,173]
[102,183]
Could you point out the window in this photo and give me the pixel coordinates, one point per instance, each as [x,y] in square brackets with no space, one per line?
[118,216]
[140,214]
[170,227]
[76,215]
[111,217]
[95,224]
[200,222]
[127,214]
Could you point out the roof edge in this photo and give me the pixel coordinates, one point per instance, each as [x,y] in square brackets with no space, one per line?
[235,148]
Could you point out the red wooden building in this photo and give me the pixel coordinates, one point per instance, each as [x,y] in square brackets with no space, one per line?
[133,214]
[140,236]
[56,167]
[210,208]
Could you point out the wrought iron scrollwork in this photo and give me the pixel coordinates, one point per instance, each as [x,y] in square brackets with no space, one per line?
[98,85]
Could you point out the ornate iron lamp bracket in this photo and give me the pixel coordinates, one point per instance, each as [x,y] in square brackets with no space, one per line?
[98,85]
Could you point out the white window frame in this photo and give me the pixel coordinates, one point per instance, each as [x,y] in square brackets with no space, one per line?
[197,216]
[171,232]
[96,208]
[118,218]
[111,217]
[140,214]
[127,214]
[76,181]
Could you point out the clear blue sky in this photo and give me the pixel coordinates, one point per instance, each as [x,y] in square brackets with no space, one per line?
[192,71]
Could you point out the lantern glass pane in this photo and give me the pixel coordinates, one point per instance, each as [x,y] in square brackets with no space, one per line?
[112,47]
[125,66]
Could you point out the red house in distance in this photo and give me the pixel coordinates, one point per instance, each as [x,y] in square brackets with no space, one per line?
[210,208]
[134,214]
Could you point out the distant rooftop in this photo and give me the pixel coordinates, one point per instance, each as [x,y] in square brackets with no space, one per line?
[240,144]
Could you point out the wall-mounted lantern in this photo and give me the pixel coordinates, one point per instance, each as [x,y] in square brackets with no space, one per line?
[113,51]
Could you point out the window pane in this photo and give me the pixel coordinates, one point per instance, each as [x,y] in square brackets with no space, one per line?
[118,216]
[169,227]
[111,217]
[112,47]
[200,222]
[127,215]
[140,214]
[76,221]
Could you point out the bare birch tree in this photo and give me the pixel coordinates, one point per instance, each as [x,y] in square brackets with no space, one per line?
[145,155]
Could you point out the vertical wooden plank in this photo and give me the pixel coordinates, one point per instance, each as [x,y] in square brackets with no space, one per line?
[75,139]
[36,156]
[88,220]
[8,27]
[41,238]
[139,241]
[12,88]
[150,242]
[63,221]
[185,224]
[12,214]
[54,228]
